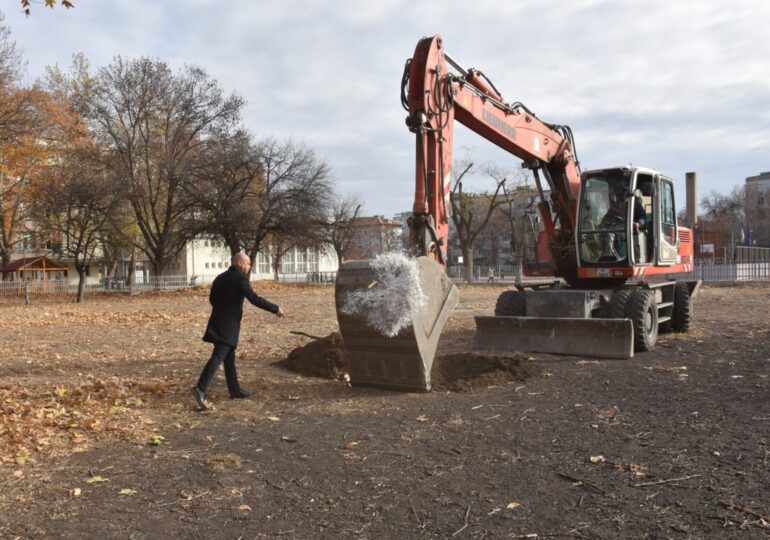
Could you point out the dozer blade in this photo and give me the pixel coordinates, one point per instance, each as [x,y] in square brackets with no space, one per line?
[405,360]
[600,338]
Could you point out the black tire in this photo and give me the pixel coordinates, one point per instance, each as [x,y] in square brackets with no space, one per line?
[680,316]
[616,308]
[511,304]
[643,312]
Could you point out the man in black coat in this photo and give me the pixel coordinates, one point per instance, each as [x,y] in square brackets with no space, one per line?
[226,299]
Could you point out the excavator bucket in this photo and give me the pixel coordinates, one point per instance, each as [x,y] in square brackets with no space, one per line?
[600,338]
[404,360]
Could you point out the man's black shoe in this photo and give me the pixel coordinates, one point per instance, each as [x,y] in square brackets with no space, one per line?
[240,394]
[200,398]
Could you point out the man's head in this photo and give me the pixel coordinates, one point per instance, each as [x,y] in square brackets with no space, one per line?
[242,262]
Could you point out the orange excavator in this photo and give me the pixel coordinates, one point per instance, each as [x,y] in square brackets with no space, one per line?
[611,235]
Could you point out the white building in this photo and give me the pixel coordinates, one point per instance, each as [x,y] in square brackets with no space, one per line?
[203,259]
[200,261]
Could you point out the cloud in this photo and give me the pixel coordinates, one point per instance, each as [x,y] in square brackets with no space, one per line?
[670,85]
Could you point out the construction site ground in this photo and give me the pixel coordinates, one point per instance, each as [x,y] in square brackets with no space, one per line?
[99,436]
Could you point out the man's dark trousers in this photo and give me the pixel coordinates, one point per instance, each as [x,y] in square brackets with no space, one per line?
[221,353]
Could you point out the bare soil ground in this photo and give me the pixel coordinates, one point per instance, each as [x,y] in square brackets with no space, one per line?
[99,436]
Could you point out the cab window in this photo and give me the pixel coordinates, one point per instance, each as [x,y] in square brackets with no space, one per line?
[667,212]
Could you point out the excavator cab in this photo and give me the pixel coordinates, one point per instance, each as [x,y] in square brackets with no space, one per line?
[604,219]
[626,219]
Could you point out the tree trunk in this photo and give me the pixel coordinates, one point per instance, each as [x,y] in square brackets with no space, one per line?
[468,264]
[235,248]
[158,268]
[518,266]
[131,271]
[81,285]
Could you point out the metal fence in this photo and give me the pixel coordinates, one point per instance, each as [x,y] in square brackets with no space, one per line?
[707,270]
[722,271]
[161,283]
[501,273]
[753,266]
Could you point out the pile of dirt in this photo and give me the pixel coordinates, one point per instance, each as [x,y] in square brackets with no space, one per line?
[464,371]
[323,357]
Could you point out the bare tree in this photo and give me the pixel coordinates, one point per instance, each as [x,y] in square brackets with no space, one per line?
[71,200]
[249,193]
[14,99]
[726,212]
[471,211]
[729,207]
[74,207]
[518,220]
[337,230]
[295,195]
[119,237]
[155,122]
[227,187]
[301,220]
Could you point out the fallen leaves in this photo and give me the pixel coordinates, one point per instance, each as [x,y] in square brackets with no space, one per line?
[635,469]
[59,418]
[96,479]
[156,439]
[22,456]
[679,371]
[226,460]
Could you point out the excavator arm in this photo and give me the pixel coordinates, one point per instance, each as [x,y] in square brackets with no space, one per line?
[435,98]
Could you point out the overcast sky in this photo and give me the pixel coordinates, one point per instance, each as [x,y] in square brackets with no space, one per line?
[672,85]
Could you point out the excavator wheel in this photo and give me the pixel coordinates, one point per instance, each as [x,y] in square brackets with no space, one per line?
[616,308]
[680,319]
[643,312]
[511,304]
